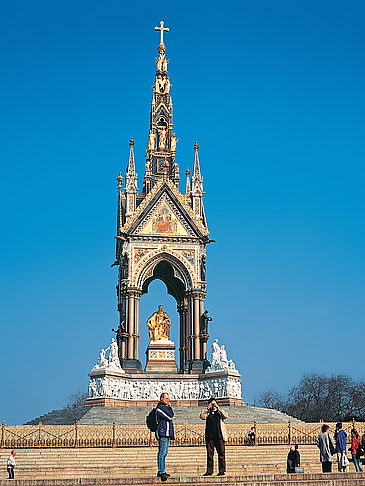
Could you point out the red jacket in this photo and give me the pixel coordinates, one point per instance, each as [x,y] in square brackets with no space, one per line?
[355,443]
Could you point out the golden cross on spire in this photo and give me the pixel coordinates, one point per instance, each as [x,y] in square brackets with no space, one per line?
[162,29]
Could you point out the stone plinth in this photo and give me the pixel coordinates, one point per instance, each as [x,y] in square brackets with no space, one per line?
[161,357]
[110,389]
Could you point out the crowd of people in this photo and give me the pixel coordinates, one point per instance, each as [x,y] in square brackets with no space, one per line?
[330,445]
[216,437]
[160,420]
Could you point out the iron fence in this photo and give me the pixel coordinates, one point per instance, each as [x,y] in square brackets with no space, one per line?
[120,435]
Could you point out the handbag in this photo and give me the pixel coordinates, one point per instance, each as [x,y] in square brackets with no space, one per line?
[344,461]
[299,470]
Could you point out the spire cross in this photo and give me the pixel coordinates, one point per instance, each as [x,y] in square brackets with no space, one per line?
[162,29]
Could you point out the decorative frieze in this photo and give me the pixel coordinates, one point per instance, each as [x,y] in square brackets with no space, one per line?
[224,386]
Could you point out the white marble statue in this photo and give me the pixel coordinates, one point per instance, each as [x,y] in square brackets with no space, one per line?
[216,352]
[224,358]
[220,359]
[112,362]
[102,362]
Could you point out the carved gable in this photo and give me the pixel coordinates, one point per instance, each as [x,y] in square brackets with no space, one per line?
[164,213]
[164,220]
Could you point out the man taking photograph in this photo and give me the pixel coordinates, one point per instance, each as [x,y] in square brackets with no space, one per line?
[215,436]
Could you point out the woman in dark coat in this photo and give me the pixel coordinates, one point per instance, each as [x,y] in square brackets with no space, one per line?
[292,461]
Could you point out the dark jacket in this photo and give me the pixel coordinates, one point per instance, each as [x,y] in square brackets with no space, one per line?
[165,427]
[292,461]
[223,415]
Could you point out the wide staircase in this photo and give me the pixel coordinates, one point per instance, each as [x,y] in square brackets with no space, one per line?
[137,415]
[246,465]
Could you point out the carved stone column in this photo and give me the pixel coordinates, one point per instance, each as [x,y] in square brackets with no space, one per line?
[196,328]
[131,361]
[136,330]
[189,332]
[130,327]
[182,309]
[196,364]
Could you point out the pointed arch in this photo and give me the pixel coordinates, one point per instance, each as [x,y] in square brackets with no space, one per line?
[168,268]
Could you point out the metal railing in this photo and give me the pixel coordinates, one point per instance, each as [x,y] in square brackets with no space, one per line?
[120,435]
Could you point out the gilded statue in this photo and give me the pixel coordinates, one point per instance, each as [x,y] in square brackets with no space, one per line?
[167,86]
[161,138]
[173,142]
[159,325]
[151,141]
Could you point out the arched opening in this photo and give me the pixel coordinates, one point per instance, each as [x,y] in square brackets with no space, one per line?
[156,293]
[162,122]
[165,272]
[171,268]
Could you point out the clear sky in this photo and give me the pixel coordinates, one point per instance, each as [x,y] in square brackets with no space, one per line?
[274,94]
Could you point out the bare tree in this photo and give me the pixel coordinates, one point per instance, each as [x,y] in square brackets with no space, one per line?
[76,400]
[329,398]
[270,399]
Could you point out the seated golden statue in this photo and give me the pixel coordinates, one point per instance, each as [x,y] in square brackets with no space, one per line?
[159,325]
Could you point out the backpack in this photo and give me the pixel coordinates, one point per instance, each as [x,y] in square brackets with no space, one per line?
[151,421]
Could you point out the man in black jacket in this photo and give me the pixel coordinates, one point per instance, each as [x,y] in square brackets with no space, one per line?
[164,432]
[215,436]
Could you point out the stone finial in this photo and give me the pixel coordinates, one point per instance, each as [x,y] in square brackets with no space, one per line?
[120,180]
[196,146]
[131,142]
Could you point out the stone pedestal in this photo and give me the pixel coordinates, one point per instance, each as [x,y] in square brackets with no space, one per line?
[109,388]
[161,357]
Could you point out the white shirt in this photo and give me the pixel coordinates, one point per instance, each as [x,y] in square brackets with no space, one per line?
[11,461]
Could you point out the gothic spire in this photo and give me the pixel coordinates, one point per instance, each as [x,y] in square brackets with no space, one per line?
[196,179]
[187,187]
[119,216]
[131,176]
[161,146]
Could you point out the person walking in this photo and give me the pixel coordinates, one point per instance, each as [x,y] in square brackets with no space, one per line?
[341,436]
[164,432]
[327,447]
[215,436]
[10,464]
[356,449]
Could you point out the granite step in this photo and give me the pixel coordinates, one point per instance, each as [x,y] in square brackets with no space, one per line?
[141,462]
[316,479]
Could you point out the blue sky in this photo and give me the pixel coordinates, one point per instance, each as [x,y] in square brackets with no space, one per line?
[274,94]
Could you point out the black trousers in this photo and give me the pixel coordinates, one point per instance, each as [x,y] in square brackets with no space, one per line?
[11,472]
[218,444]
[326,466]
